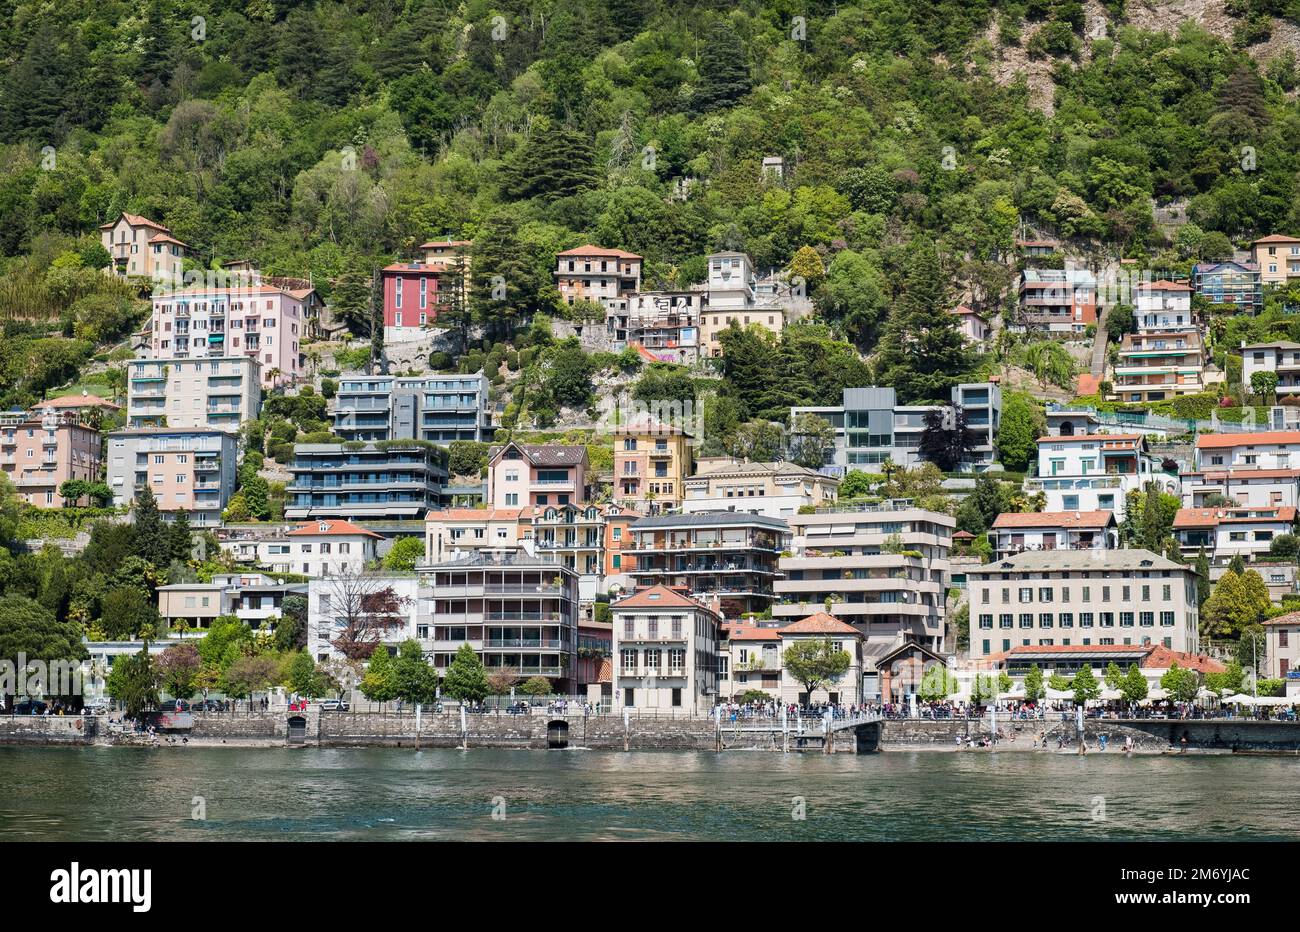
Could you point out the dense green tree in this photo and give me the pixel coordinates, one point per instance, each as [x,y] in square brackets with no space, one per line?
[1023,422]
[466,678]
[1085,685]
[815,663]
[405,553]
[724,72]
[133,682]
[922,353]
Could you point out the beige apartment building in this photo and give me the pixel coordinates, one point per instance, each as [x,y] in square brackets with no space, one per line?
[219,393]
[1282,639]
[665,652]
[453,532]
[188,470]
[884,570]
[608,277]
[1082,598]
[45,447]
[777,490]
[142,248]
[1160,364]
[1278,258]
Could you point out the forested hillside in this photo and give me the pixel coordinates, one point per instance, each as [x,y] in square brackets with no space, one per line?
[326,139]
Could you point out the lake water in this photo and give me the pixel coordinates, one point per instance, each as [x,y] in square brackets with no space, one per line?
[394,794]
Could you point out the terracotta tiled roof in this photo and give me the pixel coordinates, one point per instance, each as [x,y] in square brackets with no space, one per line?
[1064,519]
[480,514]
[331,527]
[1213,517]
[449,243]
[1164,285]
[1256,438]
[746,632]
[590,250]
[658,597]
[818,623]
[1275,238]
[165,238]
[1161,658]
[136,221]
[1218,475]
[77,401]
[1290,618]
[1093,438]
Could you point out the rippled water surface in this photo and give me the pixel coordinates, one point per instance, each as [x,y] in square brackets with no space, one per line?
[383,794]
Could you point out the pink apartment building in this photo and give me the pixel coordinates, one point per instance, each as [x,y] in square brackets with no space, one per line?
[43,448]
[262,321]
[141,247]
[521,475]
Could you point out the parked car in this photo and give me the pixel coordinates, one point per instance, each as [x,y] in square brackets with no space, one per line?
[30,707]
[209,705]
[334,705]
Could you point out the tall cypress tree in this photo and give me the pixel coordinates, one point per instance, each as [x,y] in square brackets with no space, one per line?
[149,539]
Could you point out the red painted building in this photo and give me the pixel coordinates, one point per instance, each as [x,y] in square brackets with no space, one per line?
[410,294]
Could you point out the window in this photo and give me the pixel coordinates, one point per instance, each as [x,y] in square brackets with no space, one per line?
[1044,594]
[1085,619]
[1147,619]
[1026,595]
[1167,620]
[1066,619]
[1045,620]
[1005,621]
[1108,619]
[986,621]
[1026,620]
[1126,619]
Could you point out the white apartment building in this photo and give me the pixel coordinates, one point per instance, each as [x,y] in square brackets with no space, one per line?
[385,605]
[884,570]
[1082,598]
[665,648]
[220,392]
[1272,449]
[1252,488]
[1225,533]
[1095,472]
[318,548]
[1281,357]
[1014,533]
[777,490]
[1163,307]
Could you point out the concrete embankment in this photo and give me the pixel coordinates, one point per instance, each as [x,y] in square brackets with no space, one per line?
[356,729]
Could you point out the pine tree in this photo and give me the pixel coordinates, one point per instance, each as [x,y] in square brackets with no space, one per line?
[556,162]
[922,353]
[724,71]
[1202,579]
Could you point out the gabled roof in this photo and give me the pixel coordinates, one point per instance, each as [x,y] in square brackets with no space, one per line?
[135,220]
[331,527]
[819,623]
[1275,238]
[545,454]
[1061,519]
[590,250]
[1164,285]
[659,597]
[1290,618]
[165,238]
[1249,438]
[449,243]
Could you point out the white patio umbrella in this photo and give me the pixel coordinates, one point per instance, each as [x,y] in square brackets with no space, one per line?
[1240,699]
[1204,693]
[1158,694]
[1059,693]
[1110,695]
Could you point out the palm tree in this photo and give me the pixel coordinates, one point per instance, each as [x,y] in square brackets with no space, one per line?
[1050,362]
